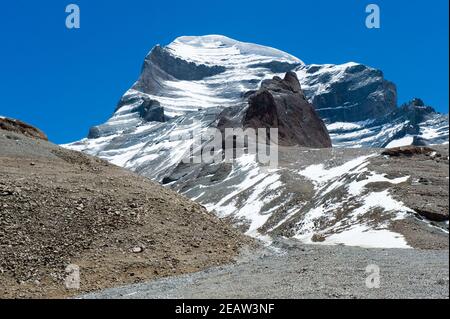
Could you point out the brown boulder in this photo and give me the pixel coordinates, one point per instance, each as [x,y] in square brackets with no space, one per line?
[408,151]
[281,103]
[20,127]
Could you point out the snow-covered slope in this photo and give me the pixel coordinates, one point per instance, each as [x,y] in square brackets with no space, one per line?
[349,92]
[220,50]
[393,133]
[185,86]
[329,196]
[195,73]
[411,124]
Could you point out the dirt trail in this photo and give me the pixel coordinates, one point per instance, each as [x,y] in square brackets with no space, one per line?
[307,271]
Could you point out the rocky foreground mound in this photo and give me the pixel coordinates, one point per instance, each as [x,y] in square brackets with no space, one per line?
[60,207]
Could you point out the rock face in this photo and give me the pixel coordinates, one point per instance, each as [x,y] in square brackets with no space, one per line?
[160,60]
[21,128]
[149,110]
[280,103]
[409,151]
[349,92]
[427,192]
[197,78]
[413,123]
[360,108]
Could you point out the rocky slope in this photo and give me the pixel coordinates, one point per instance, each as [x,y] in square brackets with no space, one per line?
[360,197]
[61,207]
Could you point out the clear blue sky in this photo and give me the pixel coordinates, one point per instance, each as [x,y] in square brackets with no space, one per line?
[65,81]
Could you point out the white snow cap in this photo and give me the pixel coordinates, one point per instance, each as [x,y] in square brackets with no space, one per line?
[219,49]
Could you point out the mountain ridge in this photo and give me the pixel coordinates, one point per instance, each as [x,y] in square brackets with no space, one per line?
[358,106]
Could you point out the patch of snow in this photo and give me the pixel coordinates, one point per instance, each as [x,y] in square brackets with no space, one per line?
[348,126]
[355,188]
[364,236]
[320,175]
[404,141]
[342,230]
[381,200]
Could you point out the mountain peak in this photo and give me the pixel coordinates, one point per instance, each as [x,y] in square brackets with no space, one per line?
[222,50]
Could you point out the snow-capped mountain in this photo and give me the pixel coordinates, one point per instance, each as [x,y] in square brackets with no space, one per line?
[191,83]
[411,124]
[360,108]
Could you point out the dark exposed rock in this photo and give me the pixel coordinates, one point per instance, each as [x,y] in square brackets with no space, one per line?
[178,68]
[280,103]
[415,111]
[167,180]
[360,93]
[20,127]
[142,107]
[148,109]
[424,181]
[276,66]
[318,238]
[153,112]
[94,132]
[436,216]
[408,151]
[408,120]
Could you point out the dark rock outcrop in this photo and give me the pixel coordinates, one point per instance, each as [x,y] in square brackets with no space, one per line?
[20,127]
[410,116]
[280,103]
[140,106]
[435,216]
[178,68]
[414,119]
[415,111]
[275,66]
[355,94]
[148,109]
[409,151]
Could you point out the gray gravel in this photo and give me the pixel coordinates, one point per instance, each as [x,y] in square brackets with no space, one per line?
[299,271]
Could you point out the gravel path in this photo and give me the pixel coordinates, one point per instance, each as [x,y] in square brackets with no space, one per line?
[299,271]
